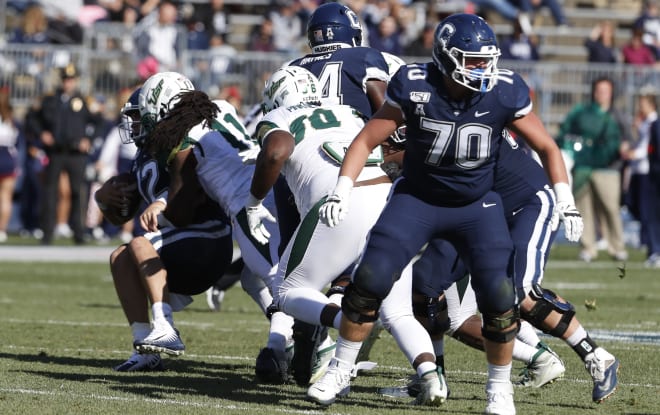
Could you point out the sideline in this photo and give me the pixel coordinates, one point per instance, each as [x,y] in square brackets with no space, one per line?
[89,254]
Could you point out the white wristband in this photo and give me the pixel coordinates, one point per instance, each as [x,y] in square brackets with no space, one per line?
[162,200]
[344,186]
[253,201]
[564,193]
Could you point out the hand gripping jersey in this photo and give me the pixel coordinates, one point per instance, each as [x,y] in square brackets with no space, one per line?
[451,147]
[343,73]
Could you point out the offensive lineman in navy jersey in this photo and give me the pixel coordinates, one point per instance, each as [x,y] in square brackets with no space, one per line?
[456,109]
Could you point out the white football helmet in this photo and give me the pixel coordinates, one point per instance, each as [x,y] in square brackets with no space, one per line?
[158,95]
[393,63]
[289,86]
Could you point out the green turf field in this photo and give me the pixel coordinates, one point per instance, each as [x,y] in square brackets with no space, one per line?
[62,330]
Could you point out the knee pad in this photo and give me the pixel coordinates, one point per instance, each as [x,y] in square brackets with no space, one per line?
[546,301]
[435,311]
[358,305]
[501,328]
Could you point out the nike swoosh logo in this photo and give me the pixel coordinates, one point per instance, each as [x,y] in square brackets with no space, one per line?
[515,212]
[487,205]
[481,114]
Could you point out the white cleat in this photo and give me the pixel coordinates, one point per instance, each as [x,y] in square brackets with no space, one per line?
[141,363]
[324,355]
[433,390]
[334,383]
[162,339]
[500,399]
[545,367]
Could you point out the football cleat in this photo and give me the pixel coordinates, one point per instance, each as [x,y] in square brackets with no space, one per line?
[324,354]
[334,383]
[306,338]
[433,390]
[141,363]
[414,385]
[162,339]
[604,369]
[545,367]
[271,368]
[500,400]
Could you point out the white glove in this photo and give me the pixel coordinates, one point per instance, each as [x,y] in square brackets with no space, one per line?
[335,208]
[249,156]
[256,214]
[568,213]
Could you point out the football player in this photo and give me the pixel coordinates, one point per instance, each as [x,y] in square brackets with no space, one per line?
[162,267]
[304,142]
[203,157]
[455,109]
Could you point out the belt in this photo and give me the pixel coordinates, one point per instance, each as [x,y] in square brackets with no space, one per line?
[375,180]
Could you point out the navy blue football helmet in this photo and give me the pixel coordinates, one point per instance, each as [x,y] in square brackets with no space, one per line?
[462,41]
[332,24]
[130,127]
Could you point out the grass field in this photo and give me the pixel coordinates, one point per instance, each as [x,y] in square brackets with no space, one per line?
[62,330]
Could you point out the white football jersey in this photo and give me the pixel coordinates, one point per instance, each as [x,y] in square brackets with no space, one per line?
[311,172]
[220,168]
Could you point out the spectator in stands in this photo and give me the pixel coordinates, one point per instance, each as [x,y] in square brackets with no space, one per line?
[158,36]
[387,36]
[261,37]
[288,26]
[592,135]
[61,124]
[33,167]
[519,46]
[600,43]
[649,22]
[635,52]
[9,134]
[635,152]
[423,45]
[532,6]
[33,27]
[653,247]
[63,26]
[506,9]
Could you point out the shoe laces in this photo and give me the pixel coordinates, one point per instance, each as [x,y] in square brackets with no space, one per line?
[596,366]
[334,376]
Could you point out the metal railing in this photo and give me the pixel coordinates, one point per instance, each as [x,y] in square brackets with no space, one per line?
[31,71]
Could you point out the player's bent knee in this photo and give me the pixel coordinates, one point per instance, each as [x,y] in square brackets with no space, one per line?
[545,302]
[501,328]
[360,306]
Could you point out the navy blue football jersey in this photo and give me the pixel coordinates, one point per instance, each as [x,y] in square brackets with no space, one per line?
[153,182]
[518,177]
[451,146]
[343,74]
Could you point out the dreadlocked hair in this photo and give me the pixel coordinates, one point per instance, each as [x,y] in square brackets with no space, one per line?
[192,108]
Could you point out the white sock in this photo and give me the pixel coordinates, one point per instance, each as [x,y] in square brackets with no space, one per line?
[523,352]
[162,311]
[426,367]
[499,374]
[281,331]
[575,338]
[528,334]
[305,304]
[140,330]
[347,351]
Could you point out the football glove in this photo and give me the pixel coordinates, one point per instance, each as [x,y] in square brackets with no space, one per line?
[568,213]
[335,207]
[256,214]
